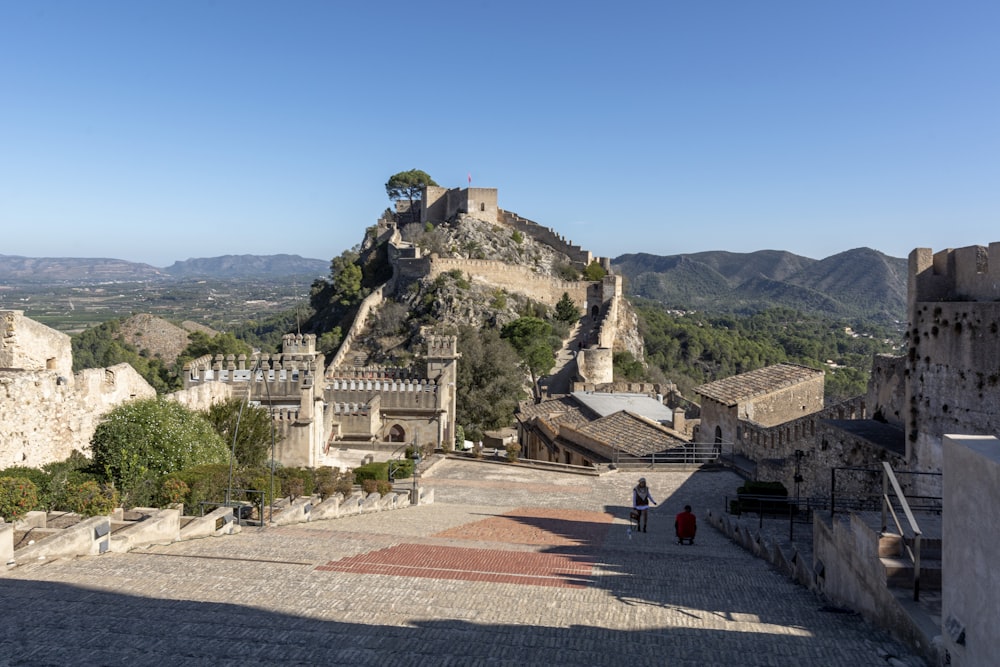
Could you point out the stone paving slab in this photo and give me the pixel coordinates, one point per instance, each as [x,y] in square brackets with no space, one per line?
[263,597]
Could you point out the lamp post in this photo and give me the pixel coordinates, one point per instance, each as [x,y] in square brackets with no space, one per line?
[416,476]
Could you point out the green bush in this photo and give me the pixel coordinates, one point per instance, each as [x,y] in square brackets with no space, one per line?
[39,478]
[18,495]
[173,491]
[383,487]
[296,482]
[74,470]
[206,483]
[91,499]
[376,470]
[140,441]
[513,451]
[369,486]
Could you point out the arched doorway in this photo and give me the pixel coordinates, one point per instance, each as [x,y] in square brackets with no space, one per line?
[397,434]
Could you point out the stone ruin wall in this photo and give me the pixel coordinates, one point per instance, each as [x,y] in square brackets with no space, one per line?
[45,418]
[953,360]
[954,373]
[31,346]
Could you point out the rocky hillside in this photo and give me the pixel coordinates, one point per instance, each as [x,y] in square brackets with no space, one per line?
[455,299]
[856,283]
[159,338]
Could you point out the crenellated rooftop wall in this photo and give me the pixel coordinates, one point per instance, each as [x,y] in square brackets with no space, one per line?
[959,274]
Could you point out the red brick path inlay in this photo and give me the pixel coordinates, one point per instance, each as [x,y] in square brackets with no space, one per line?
[493,565]
[537,526]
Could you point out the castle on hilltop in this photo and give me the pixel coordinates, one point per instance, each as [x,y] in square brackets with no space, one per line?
[347,403]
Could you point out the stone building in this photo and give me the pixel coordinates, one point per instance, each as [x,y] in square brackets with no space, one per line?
[767,397]
[596,428]
[778,429]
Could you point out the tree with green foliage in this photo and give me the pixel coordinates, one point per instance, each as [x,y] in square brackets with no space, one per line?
[224,343]
[140,441]
[566,310]
[532,338]
[594,271]
[489,380]
[246,429]
[408,185]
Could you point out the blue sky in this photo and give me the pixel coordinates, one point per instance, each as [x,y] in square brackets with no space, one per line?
[161,131]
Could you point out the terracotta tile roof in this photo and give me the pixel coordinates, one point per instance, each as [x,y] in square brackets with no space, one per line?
[556,411]
[631,434]
[732,390]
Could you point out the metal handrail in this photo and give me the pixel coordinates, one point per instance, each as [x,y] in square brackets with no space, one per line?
[889,479]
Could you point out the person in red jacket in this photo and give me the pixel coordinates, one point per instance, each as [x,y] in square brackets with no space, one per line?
[686,526]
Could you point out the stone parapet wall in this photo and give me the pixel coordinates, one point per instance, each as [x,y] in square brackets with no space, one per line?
[371,303]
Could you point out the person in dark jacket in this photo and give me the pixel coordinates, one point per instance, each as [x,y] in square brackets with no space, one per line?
[641,500]
[686,526]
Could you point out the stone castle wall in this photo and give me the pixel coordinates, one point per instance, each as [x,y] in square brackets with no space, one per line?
[519,279]
[887,389]
[548,236]
[953,361]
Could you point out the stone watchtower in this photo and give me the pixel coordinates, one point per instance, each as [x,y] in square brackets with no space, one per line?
[442,368]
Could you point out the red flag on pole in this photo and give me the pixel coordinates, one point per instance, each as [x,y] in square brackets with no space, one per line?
[470,178]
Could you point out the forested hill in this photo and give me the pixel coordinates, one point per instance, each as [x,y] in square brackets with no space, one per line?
[856,283]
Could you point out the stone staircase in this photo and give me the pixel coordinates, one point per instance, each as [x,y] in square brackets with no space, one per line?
[892,551]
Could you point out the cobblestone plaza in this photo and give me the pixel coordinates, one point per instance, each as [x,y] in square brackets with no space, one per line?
[508,566]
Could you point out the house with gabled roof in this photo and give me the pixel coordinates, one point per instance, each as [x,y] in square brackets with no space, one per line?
[596,428]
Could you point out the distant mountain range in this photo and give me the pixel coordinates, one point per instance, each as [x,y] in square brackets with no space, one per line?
[61,270]
[856,283]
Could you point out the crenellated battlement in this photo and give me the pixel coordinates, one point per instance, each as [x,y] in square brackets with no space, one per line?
[442,346]
[955,274]
[303,344]
[367,385]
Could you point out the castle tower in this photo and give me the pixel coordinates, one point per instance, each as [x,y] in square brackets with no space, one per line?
[442,368]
